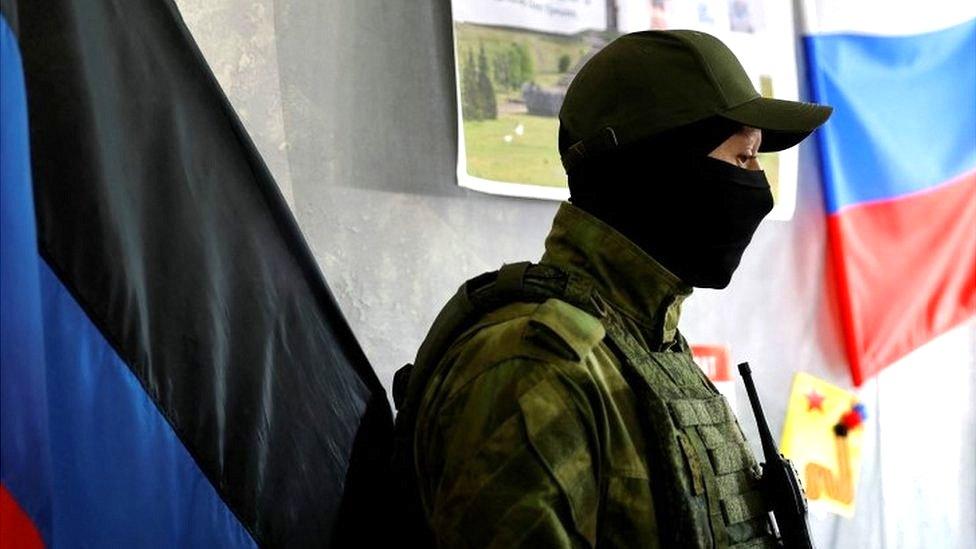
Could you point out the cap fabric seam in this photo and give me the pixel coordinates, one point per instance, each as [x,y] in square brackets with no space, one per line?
[757,97]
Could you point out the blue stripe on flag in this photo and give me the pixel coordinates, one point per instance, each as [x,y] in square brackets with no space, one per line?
[85,452]
[122,477]
[24,465]
[904,111]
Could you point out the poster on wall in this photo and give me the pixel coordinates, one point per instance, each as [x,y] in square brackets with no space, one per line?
[822,435]
[516,58]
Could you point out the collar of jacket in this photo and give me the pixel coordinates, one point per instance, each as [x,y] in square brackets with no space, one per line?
[632,281]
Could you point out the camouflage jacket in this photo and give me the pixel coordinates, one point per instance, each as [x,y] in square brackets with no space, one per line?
[528,433]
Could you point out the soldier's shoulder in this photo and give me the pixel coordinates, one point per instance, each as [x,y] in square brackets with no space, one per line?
[563,329]
[549,331]
[514,339]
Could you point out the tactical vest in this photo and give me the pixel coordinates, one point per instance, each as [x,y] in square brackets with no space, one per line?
[698,459]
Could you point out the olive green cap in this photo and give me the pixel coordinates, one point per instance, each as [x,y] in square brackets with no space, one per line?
[645,83]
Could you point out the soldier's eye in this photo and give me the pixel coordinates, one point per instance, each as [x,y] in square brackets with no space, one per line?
[744,159]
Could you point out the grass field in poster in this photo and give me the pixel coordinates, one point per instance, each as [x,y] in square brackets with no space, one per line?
[496,149]
[508,143]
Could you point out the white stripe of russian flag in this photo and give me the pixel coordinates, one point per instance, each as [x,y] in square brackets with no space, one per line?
[884,17]
[899,167]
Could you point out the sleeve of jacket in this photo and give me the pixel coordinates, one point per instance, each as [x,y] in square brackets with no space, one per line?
[512,461]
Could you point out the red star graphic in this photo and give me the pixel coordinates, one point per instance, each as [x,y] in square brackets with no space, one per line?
[814,401]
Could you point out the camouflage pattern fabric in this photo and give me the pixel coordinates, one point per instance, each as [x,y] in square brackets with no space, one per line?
[532,433]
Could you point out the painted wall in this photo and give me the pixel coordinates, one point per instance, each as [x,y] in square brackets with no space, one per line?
[352,105]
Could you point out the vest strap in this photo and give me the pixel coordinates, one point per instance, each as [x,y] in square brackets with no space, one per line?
[734,483]
[743,507]
[729,459]
[758,543]
[511,278]
[714,437]
[692,412]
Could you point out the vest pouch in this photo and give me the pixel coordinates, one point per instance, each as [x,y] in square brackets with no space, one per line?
[678,471]
[694,466]
[716,464]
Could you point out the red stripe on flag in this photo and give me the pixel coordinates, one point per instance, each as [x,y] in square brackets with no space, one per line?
[906,271]
[17,531]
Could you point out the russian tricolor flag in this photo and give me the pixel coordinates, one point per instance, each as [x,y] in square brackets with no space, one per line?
[899,167]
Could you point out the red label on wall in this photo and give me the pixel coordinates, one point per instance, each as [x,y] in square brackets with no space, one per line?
[713,360]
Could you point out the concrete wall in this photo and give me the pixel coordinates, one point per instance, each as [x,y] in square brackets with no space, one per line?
[352,104]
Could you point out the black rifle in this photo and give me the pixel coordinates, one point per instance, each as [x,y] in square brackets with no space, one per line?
[779,480]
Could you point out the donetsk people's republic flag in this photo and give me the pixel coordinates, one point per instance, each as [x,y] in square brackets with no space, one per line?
[175,372]
[899,167]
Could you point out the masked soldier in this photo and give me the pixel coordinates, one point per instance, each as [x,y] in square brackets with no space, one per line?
[557,404]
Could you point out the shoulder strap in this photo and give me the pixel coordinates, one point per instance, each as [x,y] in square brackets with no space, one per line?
[565,329]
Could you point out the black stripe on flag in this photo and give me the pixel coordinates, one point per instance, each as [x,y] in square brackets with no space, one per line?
[158,214]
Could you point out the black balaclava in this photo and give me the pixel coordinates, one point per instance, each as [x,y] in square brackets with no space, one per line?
[692,213]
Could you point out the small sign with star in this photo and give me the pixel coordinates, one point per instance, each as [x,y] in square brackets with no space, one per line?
[822,437]
[814,401]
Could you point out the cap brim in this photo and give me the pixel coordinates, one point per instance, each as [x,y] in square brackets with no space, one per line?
[784,123]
